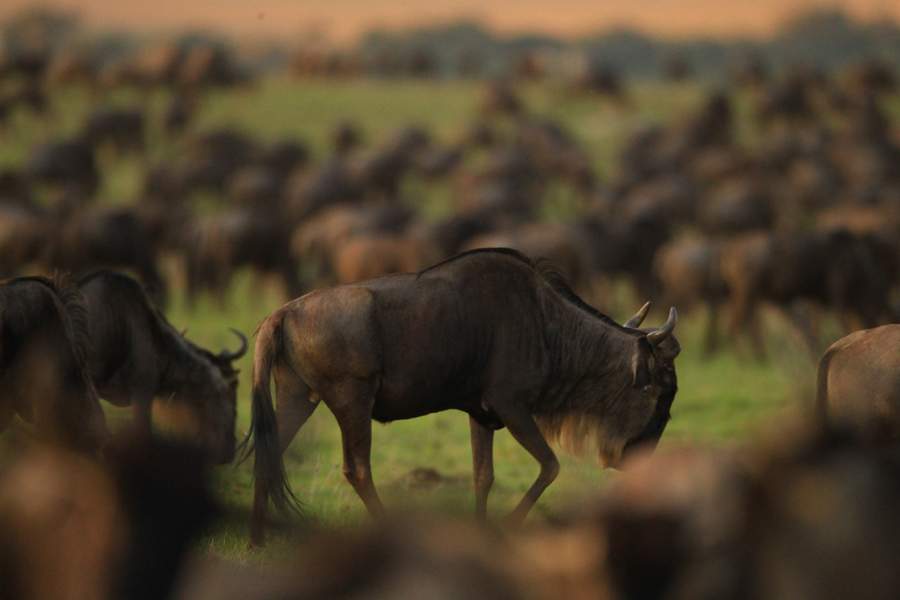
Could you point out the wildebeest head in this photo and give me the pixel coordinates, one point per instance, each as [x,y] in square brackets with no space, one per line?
[628,403]
[653,377]
[215,394]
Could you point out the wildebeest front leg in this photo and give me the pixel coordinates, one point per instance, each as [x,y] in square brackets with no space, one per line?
[351,402]
[482,465]
[523,428]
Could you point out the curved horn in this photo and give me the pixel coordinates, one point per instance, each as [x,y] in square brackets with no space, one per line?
[638,318]
[657,336]
[226,355]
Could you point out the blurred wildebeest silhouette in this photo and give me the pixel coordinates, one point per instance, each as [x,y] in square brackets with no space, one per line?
[601,78]
[368,256]
[504,340]
[217,245]
[213,156]
[564,245]
[103,236]
[836,269]
[499,98]
[72,66]
[67,164]
[44,344]
[122,128]
[689,273]
[23,235]
[136,355]
[321,241]
[676,68]
[381,171]
[859,382]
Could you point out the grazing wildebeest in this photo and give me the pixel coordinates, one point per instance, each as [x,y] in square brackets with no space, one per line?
[136,355]
[43,372]
[859,381]
[487,332]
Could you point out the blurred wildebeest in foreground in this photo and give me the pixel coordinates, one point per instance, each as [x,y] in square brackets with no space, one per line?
[859,382]
[423,556]
[83,530]
[487,332]
[809,514]
[43,363]
[136,355]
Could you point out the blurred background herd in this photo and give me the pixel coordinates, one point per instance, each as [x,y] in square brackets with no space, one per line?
[751,180]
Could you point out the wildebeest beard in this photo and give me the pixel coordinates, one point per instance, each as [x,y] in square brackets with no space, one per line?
[611,426]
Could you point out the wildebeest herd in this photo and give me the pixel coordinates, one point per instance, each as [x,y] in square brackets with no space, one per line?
[398,309]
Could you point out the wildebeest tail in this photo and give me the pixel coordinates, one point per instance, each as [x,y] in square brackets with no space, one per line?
[262,439]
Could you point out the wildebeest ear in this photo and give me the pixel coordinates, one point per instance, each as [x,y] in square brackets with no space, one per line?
[640,370]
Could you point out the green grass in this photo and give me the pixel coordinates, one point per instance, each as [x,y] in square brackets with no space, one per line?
[721,401]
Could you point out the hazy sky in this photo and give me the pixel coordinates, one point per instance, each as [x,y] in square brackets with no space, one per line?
[342,19]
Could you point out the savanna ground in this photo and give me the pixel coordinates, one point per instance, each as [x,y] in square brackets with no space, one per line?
[722,400]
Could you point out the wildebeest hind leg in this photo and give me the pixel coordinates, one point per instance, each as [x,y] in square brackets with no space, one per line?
[482,465]
[523,428]
[292,405]
[351,402]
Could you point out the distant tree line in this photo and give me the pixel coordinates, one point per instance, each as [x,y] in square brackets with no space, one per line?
[824,39]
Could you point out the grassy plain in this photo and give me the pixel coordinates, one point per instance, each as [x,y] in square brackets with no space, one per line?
[722,400]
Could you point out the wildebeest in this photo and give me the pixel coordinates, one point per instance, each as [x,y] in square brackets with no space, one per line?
[859,382]
[689,273]
[43,352]
[111,237]
[136,356]
[218,245]
[835,268]
[68,164]
[123,527]
[487,332]
[122,128]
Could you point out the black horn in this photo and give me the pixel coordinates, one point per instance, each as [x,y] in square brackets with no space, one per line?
[657,336]
[638,318]
[226,355]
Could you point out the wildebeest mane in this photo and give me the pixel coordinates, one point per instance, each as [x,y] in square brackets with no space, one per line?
[68,304]
[557,281]
[161,324]
[547,271]
[511,252]
[71,305]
